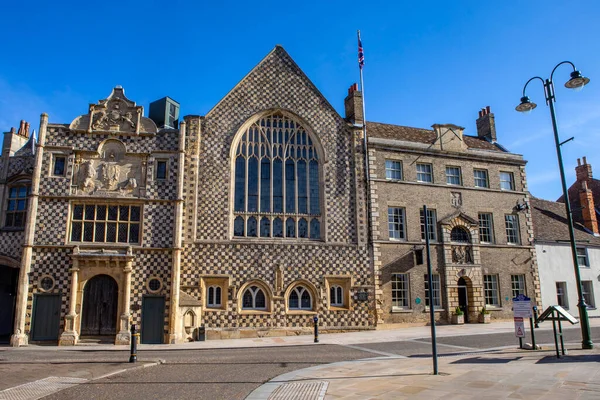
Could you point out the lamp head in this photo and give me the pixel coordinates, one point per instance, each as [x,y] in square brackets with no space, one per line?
[526,105]
[577,81]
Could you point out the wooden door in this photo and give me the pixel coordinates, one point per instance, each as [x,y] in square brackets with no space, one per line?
[46,317]
[153,319]
[100,303]
[8,296]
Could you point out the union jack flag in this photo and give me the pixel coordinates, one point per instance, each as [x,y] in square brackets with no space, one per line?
[361,54]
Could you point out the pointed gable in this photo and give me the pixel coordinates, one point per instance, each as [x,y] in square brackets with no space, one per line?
[275,83]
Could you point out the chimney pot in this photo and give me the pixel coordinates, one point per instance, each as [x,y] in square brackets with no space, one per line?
[584,160]
[487,108]
[583,171]
[486,126]
[579,161]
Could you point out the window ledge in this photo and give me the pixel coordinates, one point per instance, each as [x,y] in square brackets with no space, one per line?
[214,309]
[301,312]
[435,309]
[493,308]
[401,310]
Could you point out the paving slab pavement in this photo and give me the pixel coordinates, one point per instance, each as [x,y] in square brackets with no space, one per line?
[508,374]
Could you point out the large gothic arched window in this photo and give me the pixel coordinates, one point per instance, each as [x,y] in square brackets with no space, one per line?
[276,187]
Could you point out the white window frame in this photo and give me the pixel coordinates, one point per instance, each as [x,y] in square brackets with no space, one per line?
[507,180]
[511,224]
[587,291]
[393,170]
[336,296]
[428,172]
[582,257]
[400,284]
[213,299]
[477,180]
[562,293]
[491,290]
[299,290]
[432,222]
[254,289]
[489,219]
[437,291]
[517,284]
[397,223]
[453,175]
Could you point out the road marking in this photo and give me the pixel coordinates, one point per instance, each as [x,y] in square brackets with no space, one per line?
[40,388]
[442,344]
[381,353]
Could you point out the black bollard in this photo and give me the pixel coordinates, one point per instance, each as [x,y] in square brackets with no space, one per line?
[134,336]
[316,321]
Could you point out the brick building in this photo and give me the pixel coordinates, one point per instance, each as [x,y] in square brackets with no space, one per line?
[480,225]
[248,221]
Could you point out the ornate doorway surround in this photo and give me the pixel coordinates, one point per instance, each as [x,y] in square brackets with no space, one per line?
[86,265]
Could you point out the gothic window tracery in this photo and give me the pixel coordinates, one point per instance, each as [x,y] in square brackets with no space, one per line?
[276,181]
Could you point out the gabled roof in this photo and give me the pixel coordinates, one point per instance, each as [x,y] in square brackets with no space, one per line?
[427,136]
[550,224]
[259,74]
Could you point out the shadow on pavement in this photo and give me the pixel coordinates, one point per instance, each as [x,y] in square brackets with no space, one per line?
[486,360]
[569,359]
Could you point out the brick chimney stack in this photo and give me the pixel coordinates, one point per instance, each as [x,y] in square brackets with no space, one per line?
[583,171]
[486,125]
[23,129]
[354,106]
[588,209]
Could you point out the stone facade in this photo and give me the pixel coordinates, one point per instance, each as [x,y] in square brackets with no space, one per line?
[100,221]
[456,206]
[251,220]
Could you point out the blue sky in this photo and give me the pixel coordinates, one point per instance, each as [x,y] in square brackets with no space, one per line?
[426,62]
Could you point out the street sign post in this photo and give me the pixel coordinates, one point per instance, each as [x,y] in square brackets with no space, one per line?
[522,307]
[519,327]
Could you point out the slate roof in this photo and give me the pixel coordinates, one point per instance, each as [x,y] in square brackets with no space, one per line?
[550,224]
[427,136]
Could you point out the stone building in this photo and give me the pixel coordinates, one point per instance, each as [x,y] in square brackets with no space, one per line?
[480,225]
[248,221]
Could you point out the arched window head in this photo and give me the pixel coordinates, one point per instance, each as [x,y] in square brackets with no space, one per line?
[276,181]
[460,235]
[300,299]
[254,298]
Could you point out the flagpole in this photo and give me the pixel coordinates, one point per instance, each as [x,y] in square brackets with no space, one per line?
[362,89]
[368,177]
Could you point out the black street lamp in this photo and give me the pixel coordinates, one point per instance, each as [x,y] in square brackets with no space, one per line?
[577,81]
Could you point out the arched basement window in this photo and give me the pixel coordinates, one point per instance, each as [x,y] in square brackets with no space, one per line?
[276,190]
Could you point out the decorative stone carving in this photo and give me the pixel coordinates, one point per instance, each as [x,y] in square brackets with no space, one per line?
[462,254]
[110,172]
[456,199]
[115,114]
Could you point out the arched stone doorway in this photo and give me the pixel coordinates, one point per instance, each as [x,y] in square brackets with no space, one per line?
[8,296]
[100,306]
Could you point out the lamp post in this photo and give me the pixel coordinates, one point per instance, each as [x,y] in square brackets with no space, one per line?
[577,81]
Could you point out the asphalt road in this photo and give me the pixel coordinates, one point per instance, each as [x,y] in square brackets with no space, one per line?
[230,373]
